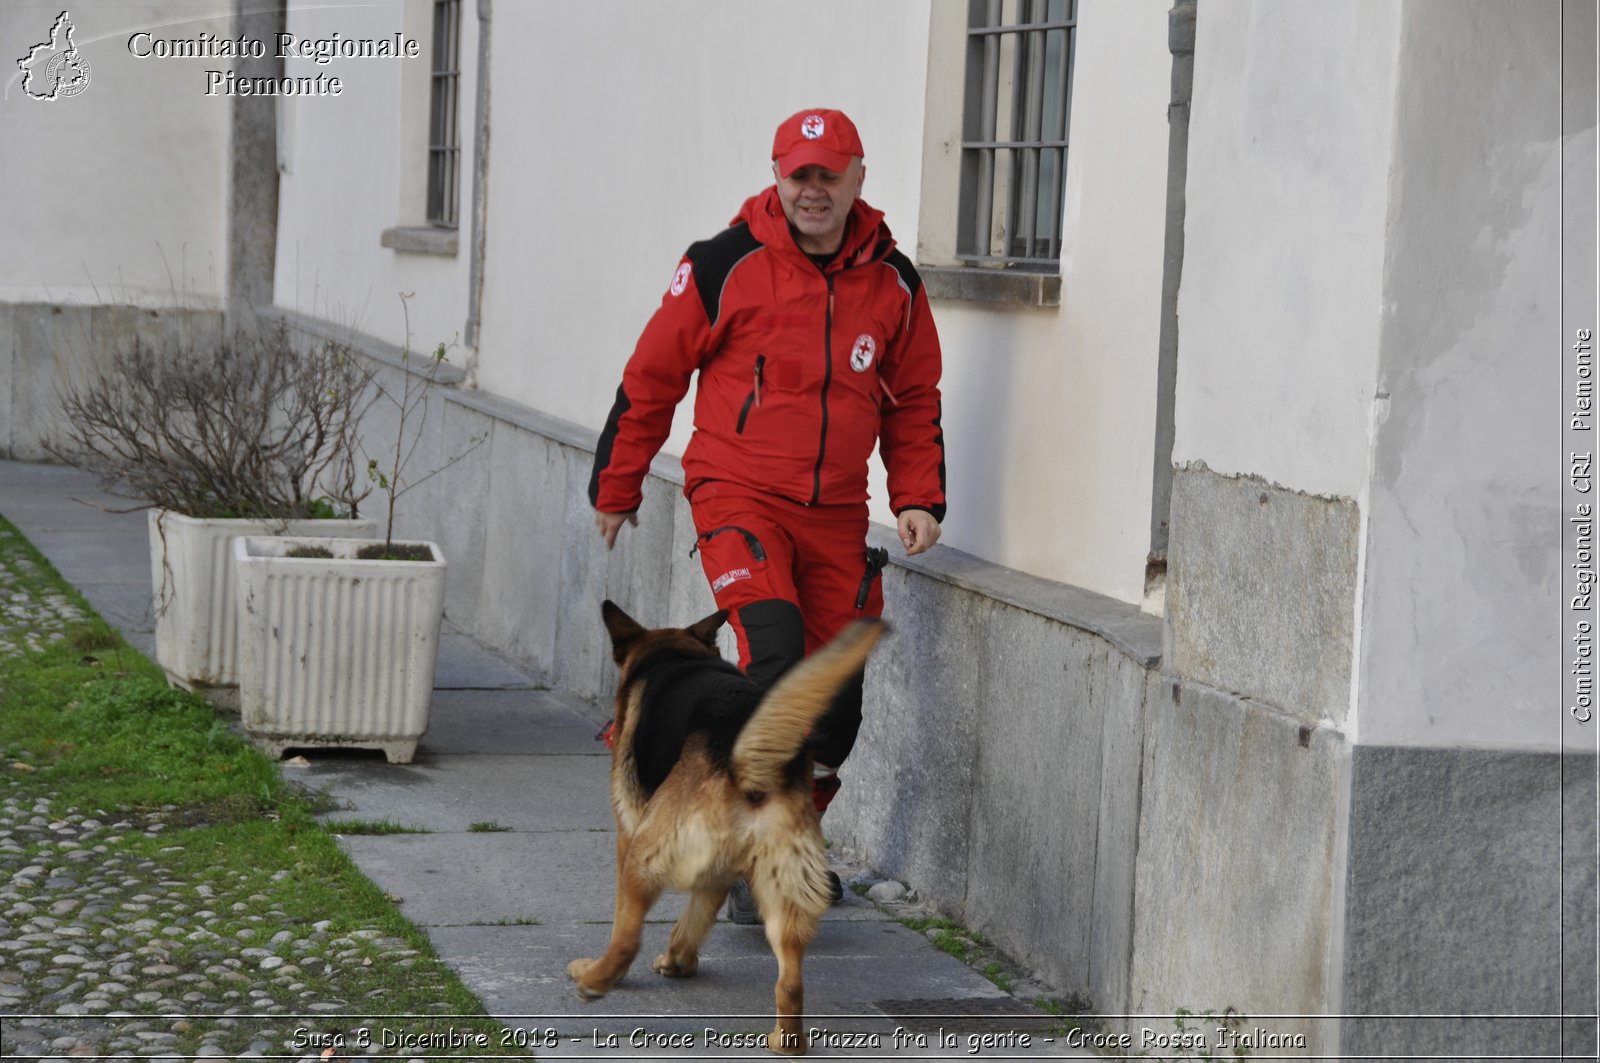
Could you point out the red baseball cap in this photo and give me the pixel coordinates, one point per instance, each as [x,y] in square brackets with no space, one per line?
[817,137]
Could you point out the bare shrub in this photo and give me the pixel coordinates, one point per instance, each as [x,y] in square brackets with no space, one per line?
[410,403]
[253,428]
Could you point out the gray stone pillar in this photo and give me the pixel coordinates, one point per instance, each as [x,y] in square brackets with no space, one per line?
[1180,41]
[480,180]
[253,168]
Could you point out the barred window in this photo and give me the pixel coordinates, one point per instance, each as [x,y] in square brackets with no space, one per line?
[1014,132]
[444,132]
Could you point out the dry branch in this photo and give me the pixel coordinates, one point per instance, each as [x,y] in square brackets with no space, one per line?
[254,428]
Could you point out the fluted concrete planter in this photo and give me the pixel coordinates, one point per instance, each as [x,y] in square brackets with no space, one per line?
[192,580]
[336,651]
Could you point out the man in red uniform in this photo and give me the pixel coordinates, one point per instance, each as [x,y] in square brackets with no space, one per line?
[813,340]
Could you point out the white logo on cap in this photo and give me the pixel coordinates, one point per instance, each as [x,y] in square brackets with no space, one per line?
[680,279]
[861,354]
[811,126]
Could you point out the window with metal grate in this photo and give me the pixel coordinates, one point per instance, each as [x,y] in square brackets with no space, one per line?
[1014,132]
[444,131]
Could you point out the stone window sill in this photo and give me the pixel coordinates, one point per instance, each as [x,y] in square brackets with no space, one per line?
[994,287]
[421,240]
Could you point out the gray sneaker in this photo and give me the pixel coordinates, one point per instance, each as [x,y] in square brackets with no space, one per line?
[742,907]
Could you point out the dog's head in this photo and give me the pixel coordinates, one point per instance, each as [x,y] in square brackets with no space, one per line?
[628,636]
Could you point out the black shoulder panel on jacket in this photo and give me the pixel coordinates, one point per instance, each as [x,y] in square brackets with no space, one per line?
[908,273]
[712,261]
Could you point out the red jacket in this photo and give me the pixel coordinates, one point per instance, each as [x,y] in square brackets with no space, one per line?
[801,369]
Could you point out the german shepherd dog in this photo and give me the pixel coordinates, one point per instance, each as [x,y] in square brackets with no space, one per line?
[710,783]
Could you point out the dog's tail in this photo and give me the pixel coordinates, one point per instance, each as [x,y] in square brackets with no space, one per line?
[772,737]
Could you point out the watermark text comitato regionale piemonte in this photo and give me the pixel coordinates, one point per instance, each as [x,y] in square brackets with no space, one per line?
[319,50]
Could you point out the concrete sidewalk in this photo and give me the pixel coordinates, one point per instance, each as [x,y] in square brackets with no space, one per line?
[513,877]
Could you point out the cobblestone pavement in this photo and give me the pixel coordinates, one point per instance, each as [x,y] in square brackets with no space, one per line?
[103,953]
[28,623]
[94,945]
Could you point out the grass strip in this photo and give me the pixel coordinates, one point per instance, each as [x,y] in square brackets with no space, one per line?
[149,844]
[972,949]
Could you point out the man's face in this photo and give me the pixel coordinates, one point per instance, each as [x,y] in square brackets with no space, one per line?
[817,203]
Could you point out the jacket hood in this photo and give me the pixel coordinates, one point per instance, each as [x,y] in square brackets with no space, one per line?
[866,237]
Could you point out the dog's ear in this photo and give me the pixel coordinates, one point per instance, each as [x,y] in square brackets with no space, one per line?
[706,630]
[622,627]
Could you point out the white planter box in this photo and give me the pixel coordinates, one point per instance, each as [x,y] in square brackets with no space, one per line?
[192,581]
[336,652]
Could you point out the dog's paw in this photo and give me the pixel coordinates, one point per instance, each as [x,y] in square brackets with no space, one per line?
[665,966]
[575,971]
[786,1042]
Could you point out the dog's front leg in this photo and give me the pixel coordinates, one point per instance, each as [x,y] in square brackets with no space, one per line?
[682,957]
[634,898]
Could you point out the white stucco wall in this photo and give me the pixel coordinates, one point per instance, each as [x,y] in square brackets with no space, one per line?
[1048,415]
[1371,272]
[1279,314]
[1463,566]
[117,194]
[625,132]
[355,164]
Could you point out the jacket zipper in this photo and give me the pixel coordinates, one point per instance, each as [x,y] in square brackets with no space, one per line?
[827,379]
[753,399]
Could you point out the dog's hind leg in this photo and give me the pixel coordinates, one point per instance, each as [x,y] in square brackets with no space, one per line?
[634,898]
[682,957]
[789,931]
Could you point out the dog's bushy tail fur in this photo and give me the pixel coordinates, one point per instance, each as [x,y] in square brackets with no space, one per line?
[772,737]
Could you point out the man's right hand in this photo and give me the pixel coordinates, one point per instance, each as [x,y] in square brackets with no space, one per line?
[610,523]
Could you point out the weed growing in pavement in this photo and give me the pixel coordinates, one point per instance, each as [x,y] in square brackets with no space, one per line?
[1208,1034]
[370,826]
[973,950]
[486,826]
[208,871]
[1065,1011]
[949,936]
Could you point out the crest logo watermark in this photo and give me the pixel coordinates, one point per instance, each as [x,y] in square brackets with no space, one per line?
[55,69]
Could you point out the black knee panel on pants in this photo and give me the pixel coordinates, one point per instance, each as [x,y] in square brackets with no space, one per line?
[775,636]
[835,734]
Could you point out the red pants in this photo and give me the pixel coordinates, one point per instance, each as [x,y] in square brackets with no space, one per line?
[791,577]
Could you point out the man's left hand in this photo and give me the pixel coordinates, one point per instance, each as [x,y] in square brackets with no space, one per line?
[918,531]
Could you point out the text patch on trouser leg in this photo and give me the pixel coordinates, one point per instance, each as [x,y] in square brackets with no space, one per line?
[748,561]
